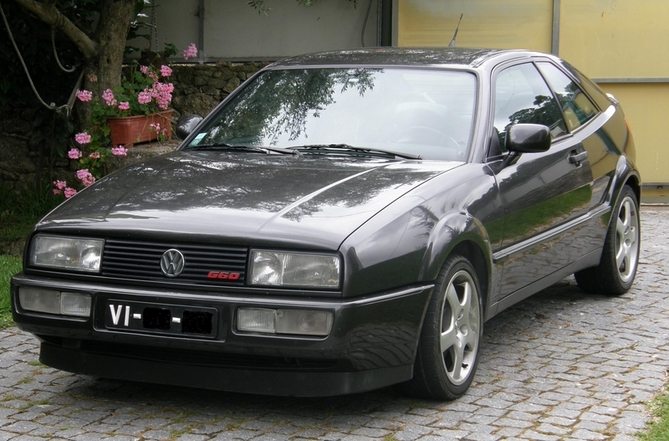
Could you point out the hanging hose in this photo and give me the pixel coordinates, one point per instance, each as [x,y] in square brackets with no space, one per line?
[55,53]
[65,107]
[364,24]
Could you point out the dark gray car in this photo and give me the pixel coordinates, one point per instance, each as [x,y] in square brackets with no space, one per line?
[342,222]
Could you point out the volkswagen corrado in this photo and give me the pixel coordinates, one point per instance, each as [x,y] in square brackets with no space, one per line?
[342,222]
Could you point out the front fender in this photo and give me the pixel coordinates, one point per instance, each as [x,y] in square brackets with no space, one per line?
[410,239]
[456,231]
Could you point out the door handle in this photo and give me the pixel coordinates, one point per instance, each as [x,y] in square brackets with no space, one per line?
[577,158]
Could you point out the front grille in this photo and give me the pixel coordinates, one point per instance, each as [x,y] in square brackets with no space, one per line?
[140,261]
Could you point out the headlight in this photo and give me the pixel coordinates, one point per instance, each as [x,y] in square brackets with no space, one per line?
[67,253]
[294,269]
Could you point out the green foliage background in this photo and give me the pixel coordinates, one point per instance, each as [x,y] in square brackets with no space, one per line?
[8,267]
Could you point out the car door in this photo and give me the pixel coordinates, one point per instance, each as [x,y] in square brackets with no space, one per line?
[585,121]
[543,194]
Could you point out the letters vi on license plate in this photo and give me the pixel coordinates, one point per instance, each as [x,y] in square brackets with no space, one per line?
[160,318]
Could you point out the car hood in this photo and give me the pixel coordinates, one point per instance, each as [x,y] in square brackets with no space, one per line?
[246,198]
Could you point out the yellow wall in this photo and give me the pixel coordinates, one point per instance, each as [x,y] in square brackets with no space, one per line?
[616,38]
[620,41]
[647,109]
[486,23]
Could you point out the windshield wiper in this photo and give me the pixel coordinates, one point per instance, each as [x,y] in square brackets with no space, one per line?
[367,151]
[246,148]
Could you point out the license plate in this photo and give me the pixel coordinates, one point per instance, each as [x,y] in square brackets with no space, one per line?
[161,318]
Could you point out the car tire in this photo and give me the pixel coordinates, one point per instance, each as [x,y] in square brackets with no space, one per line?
[620,256]
[448,349]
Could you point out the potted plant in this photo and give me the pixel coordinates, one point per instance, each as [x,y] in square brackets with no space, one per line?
[133,110]
[137,111]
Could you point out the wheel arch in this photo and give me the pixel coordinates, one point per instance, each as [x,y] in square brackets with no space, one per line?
[625,174]
[463,235]
[634,182]
[472,252]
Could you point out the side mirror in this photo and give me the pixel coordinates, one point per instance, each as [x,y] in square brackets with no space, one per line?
[186,125]
[528,138]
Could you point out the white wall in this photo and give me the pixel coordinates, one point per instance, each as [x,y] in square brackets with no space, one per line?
[235,31]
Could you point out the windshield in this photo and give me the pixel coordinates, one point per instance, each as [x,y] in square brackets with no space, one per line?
[421,112]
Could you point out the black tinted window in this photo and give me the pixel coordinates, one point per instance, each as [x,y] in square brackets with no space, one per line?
[576,106]
[522,96]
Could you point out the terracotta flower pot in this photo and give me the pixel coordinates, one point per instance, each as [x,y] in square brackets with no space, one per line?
[129,130]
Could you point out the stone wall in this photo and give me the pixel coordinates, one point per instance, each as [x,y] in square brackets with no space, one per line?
[197,90]
[21,161]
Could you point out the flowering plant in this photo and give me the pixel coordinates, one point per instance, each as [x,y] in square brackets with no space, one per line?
[143,91]
[91,166]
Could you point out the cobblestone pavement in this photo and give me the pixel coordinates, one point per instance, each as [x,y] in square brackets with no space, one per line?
[561,365]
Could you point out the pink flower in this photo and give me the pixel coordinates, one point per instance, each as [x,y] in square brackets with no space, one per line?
[119,151]
[191,52]
[84,95]
[60,184]
[94,155]
[74,154]
[144,69]
[69,192]
[164,103]
[85,177]
[165,71]
[162,93]
[82,138]
[108,96]
[59,187]
[155,126]
[144,97]
[124,105]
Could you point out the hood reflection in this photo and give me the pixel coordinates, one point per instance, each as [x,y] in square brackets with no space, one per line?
[248,193]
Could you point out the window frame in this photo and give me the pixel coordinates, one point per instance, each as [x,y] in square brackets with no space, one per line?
[490,155]
[597,110]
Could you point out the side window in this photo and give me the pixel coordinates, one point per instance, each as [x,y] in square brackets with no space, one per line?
[522,96]
[576,106]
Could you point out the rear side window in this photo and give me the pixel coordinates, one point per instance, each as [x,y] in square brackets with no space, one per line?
[576,106]
[522,96]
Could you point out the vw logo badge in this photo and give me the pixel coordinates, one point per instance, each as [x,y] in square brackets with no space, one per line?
[172,262]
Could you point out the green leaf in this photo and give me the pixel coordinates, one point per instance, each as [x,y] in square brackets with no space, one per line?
[36,139]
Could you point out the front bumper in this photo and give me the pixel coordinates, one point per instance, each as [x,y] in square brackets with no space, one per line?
[372,343]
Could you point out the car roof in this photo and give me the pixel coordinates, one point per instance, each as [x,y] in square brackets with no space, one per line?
[392,56]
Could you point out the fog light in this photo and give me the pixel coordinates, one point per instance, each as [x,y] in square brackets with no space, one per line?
[78,305]
[285,321]
[256,320]
[55,302]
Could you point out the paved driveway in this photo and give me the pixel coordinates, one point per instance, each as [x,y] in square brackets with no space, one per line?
[561,365]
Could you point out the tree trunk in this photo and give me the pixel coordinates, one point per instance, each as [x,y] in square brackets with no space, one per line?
[105,68]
